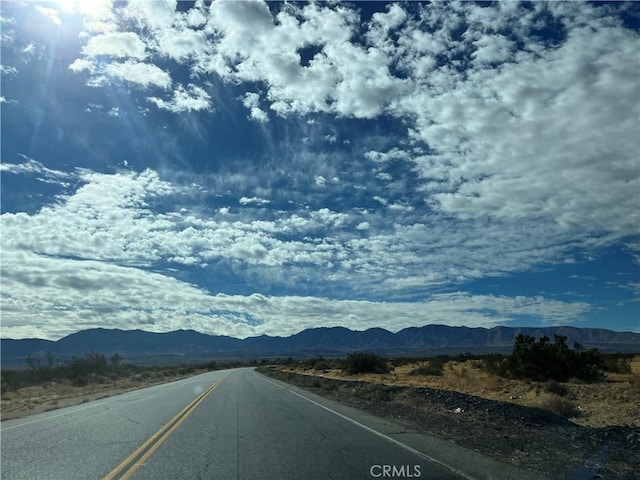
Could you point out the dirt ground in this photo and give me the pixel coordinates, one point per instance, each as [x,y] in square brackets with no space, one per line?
[53,395]
[613,402]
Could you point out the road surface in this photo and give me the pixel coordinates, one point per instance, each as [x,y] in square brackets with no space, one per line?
[227,425]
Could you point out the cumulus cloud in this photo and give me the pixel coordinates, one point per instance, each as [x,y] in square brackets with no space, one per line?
[112,218]
[88,294]
[97,248]
[320,180]
[252,102]
[538,138]
[116,44]
[520,146]
[189,99]
[82,65]
[254,200]
[143,74]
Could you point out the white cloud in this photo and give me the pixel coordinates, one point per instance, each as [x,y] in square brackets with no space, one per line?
[184,45]
[7,70]
[540,138]
[252,102]
[392,18]
[192,98]
[49,297]
[93,248]
[320,180]
[143,74]
[31,166]
[522,147]
[82,65]
[508,120]
[400,207]
[109,218]
[29,49]
[254,200]
[157,15]
[493,49]
[116,44]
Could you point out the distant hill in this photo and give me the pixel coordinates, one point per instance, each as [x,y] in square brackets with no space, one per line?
[185,346]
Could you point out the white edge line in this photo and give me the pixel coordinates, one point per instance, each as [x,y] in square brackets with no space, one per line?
[50,417]
[375,432]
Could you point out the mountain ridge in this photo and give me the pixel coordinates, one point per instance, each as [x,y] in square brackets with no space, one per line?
[184,346]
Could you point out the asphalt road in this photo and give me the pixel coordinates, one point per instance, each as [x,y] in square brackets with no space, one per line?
[235,425]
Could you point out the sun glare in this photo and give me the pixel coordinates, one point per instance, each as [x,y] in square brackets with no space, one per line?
[94,9]
[68,6]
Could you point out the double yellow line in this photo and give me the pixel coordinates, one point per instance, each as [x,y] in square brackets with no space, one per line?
[133,462]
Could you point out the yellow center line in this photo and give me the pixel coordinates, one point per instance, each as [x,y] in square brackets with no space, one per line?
[148,448]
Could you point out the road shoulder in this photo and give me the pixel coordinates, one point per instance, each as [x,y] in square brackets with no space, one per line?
[470,463]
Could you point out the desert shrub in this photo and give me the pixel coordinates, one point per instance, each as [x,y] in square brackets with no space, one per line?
[542,360]
[423,370]
[364,363]
[212,365]
[477,364]
[80,370]
[617,364]
[400,361]
[81,380]
[496,364]
[12,380]
[557,389]
[373,391]
[330,386]
[319,363]
[433,367]
[560,406]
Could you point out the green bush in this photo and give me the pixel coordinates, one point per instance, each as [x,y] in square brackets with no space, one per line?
[435,367]
[496,363]
[364,363]
[542,360]
[317,363]
[617,364]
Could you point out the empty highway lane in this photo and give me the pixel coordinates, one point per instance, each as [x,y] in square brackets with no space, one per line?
[227,425]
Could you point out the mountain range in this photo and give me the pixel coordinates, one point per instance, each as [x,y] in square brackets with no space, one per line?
[186,346]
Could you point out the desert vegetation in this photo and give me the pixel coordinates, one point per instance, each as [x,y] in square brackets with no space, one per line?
[91,368]
[586,386]
[45,384]
[542,360]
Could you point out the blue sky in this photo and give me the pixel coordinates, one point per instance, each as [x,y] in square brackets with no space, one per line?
[247,168]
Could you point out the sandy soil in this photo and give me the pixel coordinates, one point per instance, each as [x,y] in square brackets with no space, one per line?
[54,395]
[614,402]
